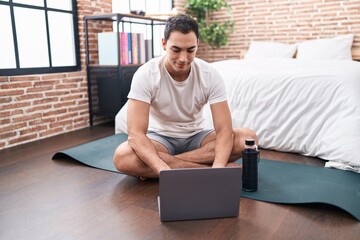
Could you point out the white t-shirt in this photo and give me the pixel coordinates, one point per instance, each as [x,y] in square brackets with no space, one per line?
[176,107]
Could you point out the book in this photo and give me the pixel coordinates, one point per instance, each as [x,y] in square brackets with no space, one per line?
[135,48]
[129,47]
[142,55]
[148,49]
[124,49]
[139,47]
[107,43]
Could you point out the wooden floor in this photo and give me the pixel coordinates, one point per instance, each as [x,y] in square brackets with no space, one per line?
[42,198]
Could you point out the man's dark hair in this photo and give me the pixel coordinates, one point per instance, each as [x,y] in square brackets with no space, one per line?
[182,23]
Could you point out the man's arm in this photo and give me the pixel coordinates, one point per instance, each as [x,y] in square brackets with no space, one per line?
[137,124]
[224,133]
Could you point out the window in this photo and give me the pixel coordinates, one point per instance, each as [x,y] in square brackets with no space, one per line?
[149,7]
[38,36]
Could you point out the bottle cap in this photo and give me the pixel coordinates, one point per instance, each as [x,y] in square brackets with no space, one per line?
[249,142]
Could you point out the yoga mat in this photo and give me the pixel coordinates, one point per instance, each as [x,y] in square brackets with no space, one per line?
[289,183]
[98,154]
[279,182]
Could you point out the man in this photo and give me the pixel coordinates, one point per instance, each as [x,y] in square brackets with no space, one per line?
[164,117]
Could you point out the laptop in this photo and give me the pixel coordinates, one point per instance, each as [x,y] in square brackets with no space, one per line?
[199,193]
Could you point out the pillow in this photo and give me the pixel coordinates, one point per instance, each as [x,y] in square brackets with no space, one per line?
[336,48]
[259,49]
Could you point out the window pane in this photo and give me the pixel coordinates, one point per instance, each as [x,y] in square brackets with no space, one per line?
[120,6]
[7,52]
[165,6]
[158,35]
[158,6]
[152,7]
[149,6]
[137,5]
[39,3]
[138,28]
[62,41]
[31,36]
[63,4]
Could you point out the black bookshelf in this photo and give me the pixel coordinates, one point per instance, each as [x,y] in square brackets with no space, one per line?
[109,85]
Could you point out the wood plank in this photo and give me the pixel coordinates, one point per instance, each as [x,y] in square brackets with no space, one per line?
[45,199]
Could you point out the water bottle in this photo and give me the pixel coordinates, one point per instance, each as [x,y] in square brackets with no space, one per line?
[250,156]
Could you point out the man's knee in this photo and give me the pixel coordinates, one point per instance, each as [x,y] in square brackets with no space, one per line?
[249,133]
[240,134]
[121,157]
[245,133]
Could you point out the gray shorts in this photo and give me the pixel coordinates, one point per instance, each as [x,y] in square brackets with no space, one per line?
[180,145]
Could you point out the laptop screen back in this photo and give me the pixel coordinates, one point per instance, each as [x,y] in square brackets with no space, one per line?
[199,193]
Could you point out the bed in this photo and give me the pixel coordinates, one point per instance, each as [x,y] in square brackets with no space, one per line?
[308,105]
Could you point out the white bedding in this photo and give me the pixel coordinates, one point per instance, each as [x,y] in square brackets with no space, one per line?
[308,107]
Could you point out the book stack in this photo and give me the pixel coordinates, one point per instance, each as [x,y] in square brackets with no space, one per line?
[134,49]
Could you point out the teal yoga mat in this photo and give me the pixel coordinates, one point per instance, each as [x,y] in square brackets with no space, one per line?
[97,154]
[279,182]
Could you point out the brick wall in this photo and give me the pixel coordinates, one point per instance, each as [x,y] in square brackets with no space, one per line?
[286,21]
[38,106]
